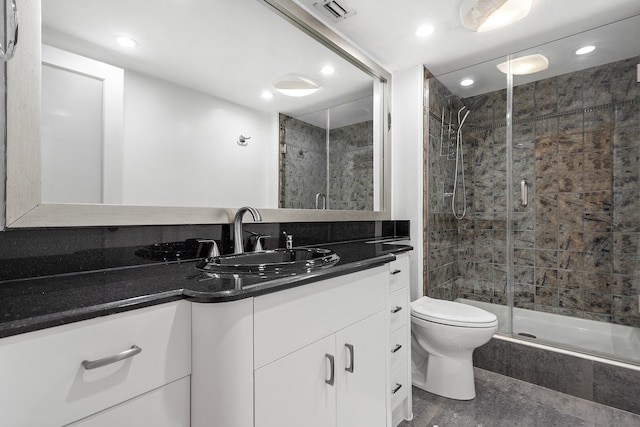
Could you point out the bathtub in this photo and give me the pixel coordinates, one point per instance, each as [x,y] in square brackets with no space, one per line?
[606,340]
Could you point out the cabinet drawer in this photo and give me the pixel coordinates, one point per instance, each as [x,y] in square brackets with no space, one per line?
[288,320]
[398,309]
[398,346]
[399,385]
[167,406]
[44,382]
[399,271]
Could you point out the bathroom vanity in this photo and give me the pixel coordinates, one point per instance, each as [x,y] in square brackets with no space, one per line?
[316,349]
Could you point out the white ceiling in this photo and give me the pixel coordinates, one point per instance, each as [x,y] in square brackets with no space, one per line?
[385,31]
[234,49]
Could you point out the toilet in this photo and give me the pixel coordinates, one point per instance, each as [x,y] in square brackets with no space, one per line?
[443,337]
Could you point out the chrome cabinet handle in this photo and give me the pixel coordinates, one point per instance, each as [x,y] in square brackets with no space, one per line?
[396,348]
[93,364]
[524,193]
[332,367]
[394,272]
[396,388]
[351,356]
[395,310]
[11,31]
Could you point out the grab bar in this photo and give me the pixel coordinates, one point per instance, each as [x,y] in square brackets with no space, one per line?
[524,193]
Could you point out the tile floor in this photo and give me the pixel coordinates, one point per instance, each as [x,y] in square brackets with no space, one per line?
[508,402]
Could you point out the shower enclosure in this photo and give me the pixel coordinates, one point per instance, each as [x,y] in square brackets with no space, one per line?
[552,196]
[327,158]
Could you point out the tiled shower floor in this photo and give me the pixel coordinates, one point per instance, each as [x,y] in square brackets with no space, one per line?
[508,402]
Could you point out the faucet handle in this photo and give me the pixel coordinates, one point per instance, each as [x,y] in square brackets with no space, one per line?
[288,240]
[259,245]
[213,249]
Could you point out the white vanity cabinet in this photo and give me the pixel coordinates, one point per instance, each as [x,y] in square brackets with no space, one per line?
[319,353]
[44,381]
[399,349]
[314,355]
[336,381]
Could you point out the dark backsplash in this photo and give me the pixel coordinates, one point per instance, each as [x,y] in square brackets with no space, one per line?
[52,251]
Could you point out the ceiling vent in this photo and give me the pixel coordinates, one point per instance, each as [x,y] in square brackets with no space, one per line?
[336,11]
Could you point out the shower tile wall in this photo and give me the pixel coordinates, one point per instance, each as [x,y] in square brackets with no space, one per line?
[577,246]
[304,166]
[441,231]
[304,170]
[351,167]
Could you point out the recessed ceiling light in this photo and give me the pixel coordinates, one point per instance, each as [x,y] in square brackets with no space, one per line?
[525,65]
[584,50]
[328,69]
[266,95]
[487,15]
[294,85]
[425,31]
[466,82]
[125,41]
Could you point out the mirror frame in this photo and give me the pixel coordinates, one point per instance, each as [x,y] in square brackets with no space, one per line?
[23,205]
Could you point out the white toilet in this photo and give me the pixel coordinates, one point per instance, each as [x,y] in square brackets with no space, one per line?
[444,335]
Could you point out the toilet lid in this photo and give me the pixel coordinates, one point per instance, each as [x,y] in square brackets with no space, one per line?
[452,313]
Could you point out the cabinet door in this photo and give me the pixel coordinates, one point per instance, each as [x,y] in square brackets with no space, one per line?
[361,373]
[292,391]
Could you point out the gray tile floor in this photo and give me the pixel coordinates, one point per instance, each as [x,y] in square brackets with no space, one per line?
[504,401]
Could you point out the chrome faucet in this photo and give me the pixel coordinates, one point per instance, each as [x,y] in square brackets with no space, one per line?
[238,247]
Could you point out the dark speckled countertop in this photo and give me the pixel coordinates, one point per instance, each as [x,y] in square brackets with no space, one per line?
[33,304]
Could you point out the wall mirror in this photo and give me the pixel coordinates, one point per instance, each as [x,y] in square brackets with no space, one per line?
[185,126]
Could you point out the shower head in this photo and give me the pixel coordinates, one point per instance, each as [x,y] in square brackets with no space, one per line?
[476,103]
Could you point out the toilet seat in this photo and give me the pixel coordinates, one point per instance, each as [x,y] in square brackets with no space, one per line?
[452,313]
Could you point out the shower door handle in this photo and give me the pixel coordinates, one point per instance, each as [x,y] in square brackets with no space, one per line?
[524,193]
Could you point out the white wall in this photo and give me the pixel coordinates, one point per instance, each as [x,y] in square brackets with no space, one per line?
[180,148]
[407,163]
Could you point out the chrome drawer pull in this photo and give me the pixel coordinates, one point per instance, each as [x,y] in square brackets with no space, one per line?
[332,377]
[395,310]
[396,388]
[394,272]
[351,356]
[93,364]
[396,348]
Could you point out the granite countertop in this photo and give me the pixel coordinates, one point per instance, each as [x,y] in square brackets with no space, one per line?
[32,304]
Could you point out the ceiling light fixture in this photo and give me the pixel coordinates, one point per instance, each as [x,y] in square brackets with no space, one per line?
[294,85]
[328,69]
[525,65]
[487,15]
[425,31]
[466,82]
[125,41]
[584,50]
